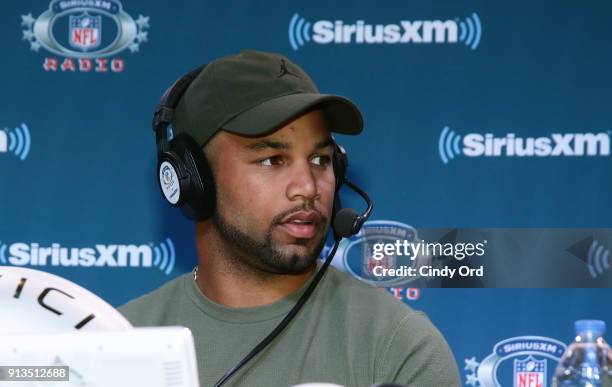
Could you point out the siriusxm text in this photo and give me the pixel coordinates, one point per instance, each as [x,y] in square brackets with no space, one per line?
[557,144]
[531,346]
[21,254]
[417,31]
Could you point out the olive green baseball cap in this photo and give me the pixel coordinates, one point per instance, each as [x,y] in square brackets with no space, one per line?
[253,93]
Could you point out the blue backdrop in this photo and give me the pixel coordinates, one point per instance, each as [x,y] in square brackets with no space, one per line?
[477,114]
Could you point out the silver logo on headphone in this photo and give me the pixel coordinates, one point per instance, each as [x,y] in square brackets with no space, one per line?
[168,181]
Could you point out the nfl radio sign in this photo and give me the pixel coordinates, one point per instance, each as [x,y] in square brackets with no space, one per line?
[87,35]
[522,361]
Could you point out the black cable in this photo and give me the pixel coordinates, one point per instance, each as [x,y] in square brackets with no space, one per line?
[279,328]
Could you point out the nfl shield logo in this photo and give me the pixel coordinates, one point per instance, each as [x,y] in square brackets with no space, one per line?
[369,263]
[529,372]
[85,31]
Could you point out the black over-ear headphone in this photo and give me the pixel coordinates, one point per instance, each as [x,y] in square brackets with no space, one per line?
[186,180]
[185,177]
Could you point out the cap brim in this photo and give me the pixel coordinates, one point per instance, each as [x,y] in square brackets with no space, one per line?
[342,115]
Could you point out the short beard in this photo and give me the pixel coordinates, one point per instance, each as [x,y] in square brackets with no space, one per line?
[262,255]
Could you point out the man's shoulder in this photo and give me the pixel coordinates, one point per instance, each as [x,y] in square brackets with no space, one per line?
[395,330]
[366,307]
[360,296]
[377,305]
[155,307]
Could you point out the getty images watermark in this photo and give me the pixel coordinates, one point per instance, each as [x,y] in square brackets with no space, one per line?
[387,255]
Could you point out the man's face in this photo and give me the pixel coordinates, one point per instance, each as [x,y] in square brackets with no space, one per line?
[275,194]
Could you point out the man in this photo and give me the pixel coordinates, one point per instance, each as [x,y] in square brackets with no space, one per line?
[265,131]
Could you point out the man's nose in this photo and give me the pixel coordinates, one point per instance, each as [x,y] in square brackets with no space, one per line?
[302,183]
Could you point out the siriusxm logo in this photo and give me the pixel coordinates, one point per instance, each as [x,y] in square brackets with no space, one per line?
[356,254]
[598,259]
[467,31]
[451,145]
[532,359]
[86,33]
[161,256]
[594,253]
[16,142]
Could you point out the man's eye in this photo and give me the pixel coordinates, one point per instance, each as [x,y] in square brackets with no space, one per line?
[321,160]
[271,161]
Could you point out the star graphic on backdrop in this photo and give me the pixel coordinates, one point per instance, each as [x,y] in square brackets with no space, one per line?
[133,47]
[34,46]
[27,20]
[28,35]
[141,36]
[471,364]
[471,379]
[142,21]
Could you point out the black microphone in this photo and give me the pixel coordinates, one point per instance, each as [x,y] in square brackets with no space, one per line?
[347,222]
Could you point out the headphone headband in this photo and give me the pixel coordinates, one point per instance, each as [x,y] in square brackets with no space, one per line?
[164,110]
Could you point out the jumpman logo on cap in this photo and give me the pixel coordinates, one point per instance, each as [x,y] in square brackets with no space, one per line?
[284,71]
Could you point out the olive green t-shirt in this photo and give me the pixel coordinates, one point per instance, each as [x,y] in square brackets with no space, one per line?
[348,333]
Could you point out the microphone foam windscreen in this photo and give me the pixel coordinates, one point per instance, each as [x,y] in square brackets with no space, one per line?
[344,221]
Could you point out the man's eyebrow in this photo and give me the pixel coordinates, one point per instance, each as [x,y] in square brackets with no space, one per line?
[264,144]
[324,143]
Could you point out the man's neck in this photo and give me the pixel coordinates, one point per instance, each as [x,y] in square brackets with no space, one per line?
[225,281]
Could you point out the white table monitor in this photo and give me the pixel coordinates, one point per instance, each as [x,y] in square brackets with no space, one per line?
[152,357]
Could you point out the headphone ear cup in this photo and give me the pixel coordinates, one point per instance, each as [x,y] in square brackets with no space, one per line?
[200,197]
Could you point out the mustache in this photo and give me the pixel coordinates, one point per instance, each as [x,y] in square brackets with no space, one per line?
[304,207]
